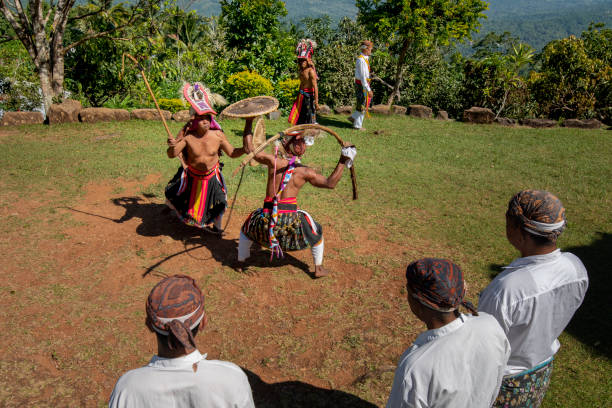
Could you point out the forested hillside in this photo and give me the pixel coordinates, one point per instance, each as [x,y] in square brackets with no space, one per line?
[534,22]
[539,22]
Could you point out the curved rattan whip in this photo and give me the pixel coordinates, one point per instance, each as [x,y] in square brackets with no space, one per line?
[260,148]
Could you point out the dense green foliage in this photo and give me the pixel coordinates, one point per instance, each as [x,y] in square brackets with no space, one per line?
[413,26]
[286,91]
[173,105]
[575,75]
[18,81]
[253,31]
[246,84]
[335,57]
[248,51]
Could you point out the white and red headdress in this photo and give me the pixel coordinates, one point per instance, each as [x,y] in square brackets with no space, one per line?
[199,97]
[305,48]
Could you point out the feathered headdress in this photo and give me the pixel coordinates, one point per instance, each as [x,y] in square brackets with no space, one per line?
[305,48]
[201,98]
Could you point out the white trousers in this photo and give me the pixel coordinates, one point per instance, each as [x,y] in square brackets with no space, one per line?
[358,119]
[244,250]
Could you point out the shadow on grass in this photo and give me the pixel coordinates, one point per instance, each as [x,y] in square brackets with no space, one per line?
[592,324]
[494,270]
[297,394]
[332,122]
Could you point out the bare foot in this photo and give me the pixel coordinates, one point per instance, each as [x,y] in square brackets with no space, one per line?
[320,272]
[241,267]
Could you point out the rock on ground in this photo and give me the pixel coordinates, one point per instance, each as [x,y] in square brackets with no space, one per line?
[420,111]
[181,116]
[505,121]
[22,118]
[343,110]
[583,123]
[538,123]
[150,114]
[442,115]
[478,115]
[92,115]
[65,112]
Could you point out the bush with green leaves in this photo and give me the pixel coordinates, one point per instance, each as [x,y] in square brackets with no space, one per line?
[568,79]
[19,85]
[246,84]
[286,91]
[173,105]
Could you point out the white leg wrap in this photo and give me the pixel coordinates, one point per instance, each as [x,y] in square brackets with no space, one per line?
[218,221]
[317,252]
[244,247]
[358,116]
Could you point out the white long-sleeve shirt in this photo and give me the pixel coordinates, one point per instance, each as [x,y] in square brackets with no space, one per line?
[459,365]
[533,300]
[362,71]
[188,381]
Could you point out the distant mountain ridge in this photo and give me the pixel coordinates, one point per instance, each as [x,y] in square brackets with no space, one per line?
[535,22]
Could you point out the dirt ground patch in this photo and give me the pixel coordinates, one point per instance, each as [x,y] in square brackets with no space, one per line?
[76,289]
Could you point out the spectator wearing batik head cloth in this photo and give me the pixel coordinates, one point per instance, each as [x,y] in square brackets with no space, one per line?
[363,91]
[179,375]
[458,362]
[535,297]
[307,103]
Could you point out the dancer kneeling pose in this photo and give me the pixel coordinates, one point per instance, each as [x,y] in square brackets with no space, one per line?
[280,225]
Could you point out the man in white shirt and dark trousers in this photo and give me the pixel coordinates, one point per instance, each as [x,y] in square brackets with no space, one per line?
[535,297]
[363,91]
[459,361]
[179,376]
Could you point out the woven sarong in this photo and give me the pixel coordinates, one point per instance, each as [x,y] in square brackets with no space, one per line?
[295,229]
[198,197]
[303,110]
[526,389]
[363,99]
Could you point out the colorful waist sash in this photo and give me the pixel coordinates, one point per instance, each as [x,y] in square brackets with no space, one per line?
[303,109]
[198,196]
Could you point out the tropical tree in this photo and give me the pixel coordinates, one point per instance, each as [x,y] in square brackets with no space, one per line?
[253,29]
[413,24]
[334,57]
[571,79]
[41,28]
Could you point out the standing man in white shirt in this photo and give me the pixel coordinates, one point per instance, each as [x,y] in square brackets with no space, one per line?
[363,91]
[535,297]
[179,376]
[459,361]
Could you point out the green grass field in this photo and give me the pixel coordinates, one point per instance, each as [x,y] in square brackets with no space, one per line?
[426,188]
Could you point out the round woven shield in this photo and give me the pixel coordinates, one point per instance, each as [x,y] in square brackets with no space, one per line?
[259,137]
[251,107]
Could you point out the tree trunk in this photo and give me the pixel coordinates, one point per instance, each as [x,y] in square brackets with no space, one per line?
[398,72]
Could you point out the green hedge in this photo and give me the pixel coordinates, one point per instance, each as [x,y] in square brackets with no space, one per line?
[286,91]
[246,84]
[173,105]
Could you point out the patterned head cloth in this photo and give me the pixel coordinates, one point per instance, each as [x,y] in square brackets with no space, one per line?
[437,284]
[538,212]
[289,139]
[175,307]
